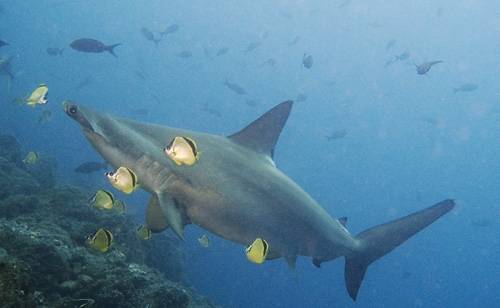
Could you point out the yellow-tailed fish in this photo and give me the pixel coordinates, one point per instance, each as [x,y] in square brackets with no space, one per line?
[204,241]
[101,240]
[144,233]
[103,200]
[119,206]
[257,251]
[123,179]
[182,150]
[38,96]
[31,158]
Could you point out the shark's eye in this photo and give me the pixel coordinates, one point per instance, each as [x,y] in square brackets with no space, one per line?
[73,110]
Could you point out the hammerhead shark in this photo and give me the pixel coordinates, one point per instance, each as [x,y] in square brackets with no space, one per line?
[236,191]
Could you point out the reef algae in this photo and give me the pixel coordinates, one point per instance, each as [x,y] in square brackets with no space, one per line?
[44,261]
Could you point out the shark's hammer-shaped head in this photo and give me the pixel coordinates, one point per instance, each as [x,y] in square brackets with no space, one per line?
[78,114]
[90,122]
[122,145]
[100,130]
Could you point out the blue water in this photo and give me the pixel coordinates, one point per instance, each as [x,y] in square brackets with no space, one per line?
[391,162]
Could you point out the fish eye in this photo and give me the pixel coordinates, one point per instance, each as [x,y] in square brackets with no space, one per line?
[73,110]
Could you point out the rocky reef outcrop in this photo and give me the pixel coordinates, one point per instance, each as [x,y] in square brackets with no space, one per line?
[44,261]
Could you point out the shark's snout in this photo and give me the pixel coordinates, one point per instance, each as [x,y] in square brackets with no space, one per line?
[77,114]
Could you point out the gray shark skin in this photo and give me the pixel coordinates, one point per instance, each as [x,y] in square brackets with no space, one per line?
[236,192]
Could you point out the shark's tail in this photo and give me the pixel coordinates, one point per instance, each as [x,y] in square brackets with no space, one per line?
[382,239]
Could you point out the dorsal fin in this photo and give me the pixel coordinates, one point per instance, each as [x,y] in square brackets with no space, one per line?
[262,134]
[343,221]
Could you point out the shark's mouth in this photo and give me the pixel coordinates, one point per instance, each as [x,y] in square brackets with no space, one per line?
[95,137]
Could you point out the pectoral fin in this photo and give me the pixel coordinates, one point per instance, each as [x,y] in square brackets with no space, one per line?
[155,220]
[172,213]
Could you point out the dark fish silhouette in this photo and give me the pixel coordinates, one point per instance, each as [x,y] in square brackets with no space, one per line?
[430,120]
[83,83]
[235,88]
[252,46]
[301,97]
[404,56]
[401,57]
[466,87]
[3,43]
[339,134]
[406,275]
[423,68]
[294,41]
[482,223]
[140,74]
[54,51]
[269,62]
[344,4]
[150,36]
[307,61]
[251,102]
[44,117]
[390,44]
[90,167]
[185,54]
[206,108]
[157,98]
[92,45]
[222,51]
[140,111]
[6,67]
[169,30]
[439,12]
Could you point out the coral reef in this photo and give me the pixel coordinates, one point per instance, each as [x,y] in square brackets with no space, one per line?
[44,261]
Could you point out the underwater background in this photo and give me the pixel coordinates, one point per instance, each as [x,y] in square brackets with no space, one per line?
[368,137]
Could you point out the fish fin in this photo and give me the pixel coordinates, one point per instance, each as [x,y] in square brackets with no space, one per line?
[291,261]
[111,49]
[343,221]
[262,134]
[172,213]
[317,262]
[155,220]
[382,239]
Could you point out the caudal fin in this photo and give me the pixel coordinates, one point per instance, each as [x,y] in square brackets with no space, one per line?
[382,239]
[111,49]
